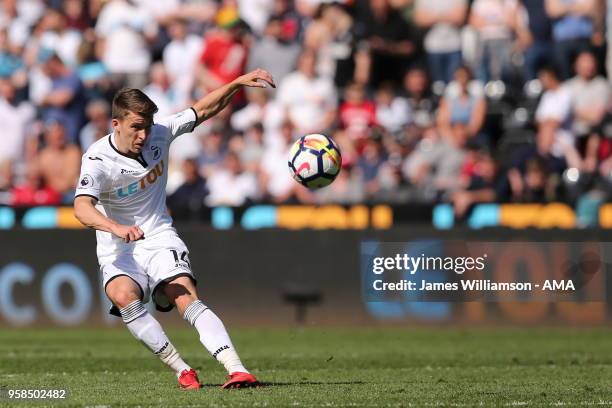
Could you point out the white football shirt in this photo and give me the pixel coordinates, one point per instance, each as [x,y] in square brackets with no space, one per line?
[132,191]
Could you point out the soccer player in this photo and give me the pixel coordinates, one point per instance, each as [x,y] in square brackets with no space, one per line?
[121,193]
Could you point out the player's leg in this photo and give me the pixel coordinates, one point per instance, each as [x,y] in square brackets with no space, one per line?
[126,295]
[181,292]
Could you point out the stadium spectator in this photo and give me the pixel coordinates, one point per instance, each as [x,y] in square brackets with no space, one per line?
[65,99]
[274,180]
[59,160]
[390,121]
[393,112]
[357,114]
[307,9]
[232,185]
[92,72]
[396,148]
[94,7]
[160,10]
[98,125]
[350,155]
[255,13]
[15,117]
[11,63]
[212,151]
[598,40]
[33,191]
[573,27]
[18,18]
[434,166]
[443,20]
[126,29]
[369,165]
[57,36]
[483,182]
[309,100]
[252,147]
[463,105]
[495,22]
[161,91]
[387,42]
[605,165]
[273,53]
[330,36]
[554,139]
[421,101]
[531,182]
[608,23]
[225,54]
[76,15]
[535,36]
[348,188]
[590,98]
[292,23]
[189,197]
[199,12]
[259,109]
[180,56]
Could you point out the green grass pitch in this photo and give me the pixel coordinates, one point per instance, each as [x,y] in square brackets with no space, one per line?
[321,367]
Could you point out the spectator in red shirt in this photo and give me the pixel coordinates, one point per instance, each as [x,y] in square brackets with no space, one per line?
[357,113]
[225,54]
[33,192]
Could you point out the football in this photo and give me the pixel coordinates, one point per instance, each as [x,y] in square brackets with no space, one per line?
[314,161]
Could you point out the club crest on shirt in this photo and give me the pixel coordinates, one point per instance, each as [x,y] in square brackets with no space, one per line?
[156,152]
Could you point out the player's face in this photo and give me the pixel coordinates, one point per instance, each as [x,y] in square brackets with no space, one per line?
[133,131]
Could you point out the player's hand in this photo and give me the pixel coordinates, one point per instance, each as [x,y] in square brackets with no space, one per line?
[128,233]
[256,79]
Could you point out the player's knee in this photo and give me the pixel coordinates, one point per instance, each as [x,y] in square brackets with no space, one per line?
[122,298]
[180,290]
[183,302]
[180,296]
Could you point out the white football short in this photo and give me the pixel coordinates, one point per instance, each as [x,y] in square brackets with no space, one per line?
[152,262]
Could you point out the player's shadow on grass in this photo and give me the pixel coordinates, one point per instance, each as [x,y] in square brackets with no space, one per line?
[288,384]
[285,384]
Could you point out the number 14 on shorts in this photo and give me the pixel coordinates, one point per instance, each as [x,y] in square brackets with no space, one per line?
[182,259]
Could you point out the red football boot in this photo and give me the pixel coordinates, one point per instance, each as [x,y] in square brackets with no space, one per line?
[240,380]
[188,380]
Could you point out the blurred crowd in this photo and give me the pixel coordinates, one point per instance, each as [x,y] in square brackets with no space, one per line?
[429,100]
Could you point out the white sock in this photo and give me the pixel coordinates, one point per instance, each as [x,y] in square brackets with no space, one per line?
[214,336]
[148,330]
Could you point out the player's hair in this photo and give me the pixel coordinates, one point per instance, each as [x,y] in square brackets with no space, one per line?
[133,100]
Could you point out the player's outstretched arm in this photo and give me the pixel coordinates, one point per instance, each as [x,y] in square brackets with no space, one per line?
[86,212]
[215,101]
